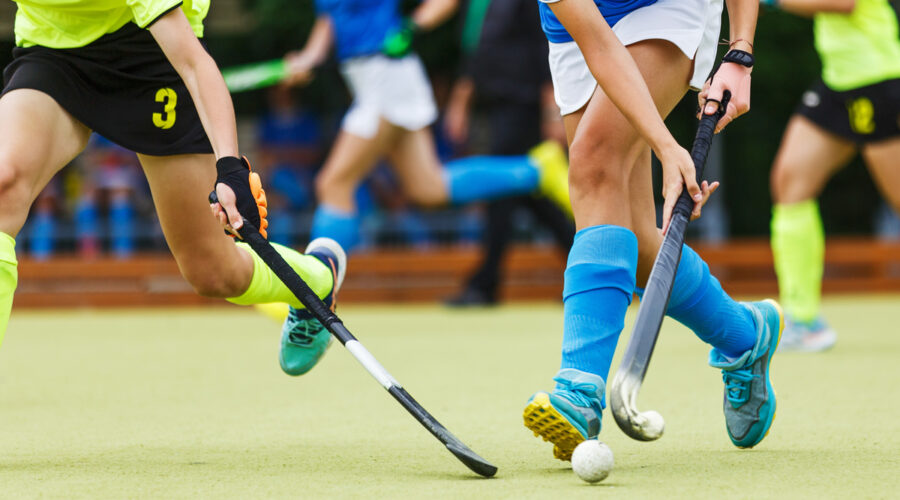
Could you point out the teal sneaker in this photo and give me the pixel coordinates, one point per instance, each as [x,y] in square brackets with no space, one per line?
[749,403]
[807,336]
[304,339]
[568,415]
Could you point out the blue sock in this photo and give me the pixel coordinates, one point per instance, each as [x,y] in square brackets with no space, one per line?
[480,178]
[340,226]
[599,282]
[121,227]
[699,303]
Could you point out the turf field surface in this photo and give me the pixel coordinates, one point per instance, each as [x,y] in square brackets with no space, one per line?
[190,403]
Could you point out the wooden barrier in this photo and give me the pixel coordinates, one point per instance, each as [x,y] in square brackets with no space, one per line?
[428,275]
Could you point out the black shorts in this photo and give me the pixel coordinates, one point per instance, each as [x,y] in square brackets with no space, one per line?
[861,115]
[121,86]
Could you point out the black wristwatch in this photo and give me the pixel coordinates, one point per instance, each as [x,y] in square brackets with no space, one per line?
[739,57]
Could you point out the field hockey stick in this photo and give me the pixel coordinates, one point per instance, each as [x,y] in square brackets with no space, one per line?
[255,75]
[334,325]
[649,425]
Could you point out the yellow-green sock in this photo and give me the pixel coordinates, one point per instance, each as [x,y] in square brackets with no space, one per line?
[9,276]
[266,287]
[798,244]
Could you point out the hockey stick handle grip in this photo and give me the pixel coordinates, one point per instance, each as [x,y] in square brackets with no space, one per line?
[699,151]
[250,234]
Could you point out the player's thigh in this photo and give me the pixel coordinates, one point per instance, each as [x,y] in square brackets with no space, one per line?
[415,160]
[351,159]
[180,186]
[38,138]
[666,71]
[807,157]
[883,160]
[604,144]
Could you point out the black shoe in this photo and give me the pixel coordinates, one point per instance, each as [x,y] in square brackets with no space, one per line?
[471,298]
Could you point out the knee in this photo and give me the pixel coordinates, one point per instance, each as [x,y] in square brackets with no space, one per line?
[783,181]
[11,182]
[323,183]
[596,166]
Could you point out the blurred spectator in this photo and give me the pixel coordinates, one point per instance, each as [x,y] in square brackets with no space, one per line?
[100,184]
[109,183]
[506,73]
[290,142]
[43,226]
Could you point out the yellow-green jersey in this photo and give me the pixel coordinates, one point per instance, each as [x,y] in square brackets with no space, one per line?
[66,24]
[860,48]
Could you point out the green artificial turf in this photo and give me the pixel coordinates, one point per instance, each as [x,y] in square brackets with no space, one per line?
[166,403]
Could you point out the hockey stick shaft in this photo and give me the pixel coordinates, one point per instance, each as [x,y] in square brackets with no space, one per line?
[254,76]
[630,375]
[334,325]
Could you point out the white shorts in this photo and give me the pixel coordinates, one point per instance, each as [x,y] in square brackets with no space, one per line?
[692,25]
[397,90]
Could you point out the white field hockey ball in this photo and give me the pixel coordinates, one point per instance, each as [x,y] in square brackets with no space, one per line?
[592,460]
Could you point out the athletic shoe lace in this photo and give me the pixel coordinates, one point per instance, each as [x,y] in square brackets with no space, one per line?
[304,329]
[577,393]
[737,385]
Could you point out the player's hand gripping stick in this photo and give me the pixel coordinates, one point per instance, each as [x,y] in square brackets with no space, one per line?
[649,425]
[334,325]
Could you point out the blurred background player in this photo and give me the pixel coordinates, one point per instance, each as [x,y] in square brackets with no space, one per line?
[136,73]
[390,117]
[505,72]
[393,108]
[289,138]
[855,107]
[612,99]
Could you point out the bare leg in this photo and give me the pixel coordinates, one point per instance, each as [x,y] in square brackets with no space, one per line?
[605,148]
[350,160]
[807,158]
[207,258]
[649,236]
[39,138]
[883,159]
[416,162]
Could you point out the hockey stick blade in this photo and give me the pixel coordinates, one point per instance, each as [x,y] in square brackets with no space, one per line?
[462,452]
[311,301]
[626,384]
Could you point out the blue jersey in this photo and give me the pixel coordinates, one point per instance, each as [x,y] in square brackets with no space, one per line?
[360,26]
[612,11]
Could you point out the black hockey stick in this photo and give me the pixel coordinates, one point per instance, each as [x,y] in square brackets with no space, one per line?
[334,325]
[648,425]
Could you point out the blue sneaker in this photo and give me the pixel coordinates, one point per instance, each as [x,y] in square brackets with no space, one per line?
[568,415]
[304,339]
[807,336]
[749,404]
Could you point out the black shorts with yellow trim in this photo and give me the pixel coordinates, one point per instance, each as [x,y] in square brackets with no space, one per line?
[861,115]
[121,86]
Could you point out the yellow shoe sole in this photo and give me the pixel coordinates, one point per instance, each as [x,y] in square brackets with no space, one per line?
[544,421]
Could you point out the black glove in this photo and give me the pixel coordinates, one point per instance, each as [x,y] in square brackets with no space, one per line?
[249,194]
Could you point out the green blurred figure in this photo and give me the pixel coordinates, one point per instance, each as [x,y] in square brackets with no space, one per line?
[855,107]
